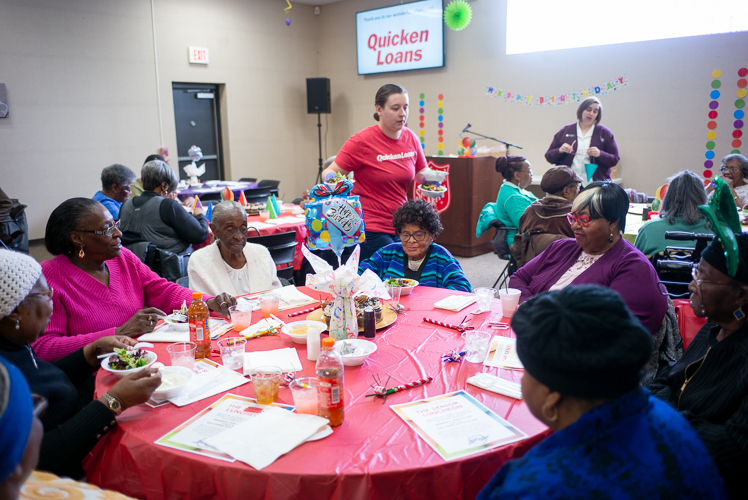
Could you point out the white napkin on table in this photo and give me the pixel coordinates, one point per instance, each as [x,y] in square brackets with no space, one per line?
[455,302]
[272,433]
[292,297]
[496,384]
[208,384]
[286,359]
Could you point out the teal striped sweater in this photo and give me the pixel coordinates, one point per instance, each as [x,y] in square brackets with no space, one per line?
[441,270]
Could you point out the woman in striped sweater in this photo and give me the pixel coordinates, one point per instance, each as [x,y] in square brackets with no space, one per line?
[416,256]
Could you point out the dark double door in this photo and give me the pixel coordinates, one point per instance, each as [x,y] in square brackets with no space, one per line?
[197,123]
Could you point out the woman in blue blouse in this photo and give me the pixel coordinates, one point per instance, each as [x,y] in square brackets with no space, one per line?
[513,197]
[416,256]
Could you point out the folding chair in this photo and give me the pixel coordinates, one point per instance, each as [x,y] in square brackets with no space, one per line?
[282,248]
[257,195]
[501,248]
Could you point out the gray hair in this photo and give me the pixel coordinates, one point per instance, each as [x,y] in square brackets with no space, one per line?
[155,173]
[223,210]
[116,174]
[685,192]
[740,159]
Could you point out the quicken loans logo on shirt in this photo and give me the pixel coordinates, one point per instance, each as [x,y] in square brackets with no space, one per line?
[399,156]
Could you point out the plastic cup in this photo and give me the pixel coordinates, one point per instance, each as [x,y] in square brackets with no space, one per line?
[394,300]
[232,352]
[264,215]
[182,354]
[509,301]
[266,382]
[240,320]
[476,345]
[485,298]
[269,304]
[304,390]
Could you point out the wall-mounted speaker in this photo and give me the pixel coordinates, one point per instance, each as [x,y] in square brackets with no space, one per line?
[318,95]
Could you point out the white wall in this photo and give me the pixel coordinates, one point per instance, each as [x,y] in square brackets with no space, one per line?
[659,120]
[82,90]
[82,93]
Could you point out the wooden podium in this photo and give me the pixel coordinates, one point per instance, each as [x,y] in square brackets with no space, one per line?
[473,182]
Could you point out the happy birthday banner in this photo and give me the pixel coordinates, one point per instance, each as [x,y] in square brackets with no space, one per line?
[555,100]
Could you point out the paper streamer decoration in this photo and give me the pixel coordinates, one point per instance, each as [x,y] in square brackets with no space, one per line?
[457,15]
[334,220]
[557,99]
[343,283]
[711,135]
[421,122]
[739,114]
[440,117]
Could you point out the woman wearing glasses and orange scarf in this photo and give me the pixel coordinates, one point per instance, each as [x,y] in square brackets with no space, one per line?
[101,289]
[416,256]
[597,255]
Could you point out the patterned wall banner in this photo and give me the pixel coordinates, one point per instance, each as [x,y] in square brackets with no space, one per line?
[557,99]
[739,113]
[422,123]
[440,117]
[711,135]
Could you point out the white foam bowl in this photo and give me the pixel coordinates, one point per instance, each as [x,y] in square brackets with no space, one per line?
[434,175]
[301,339]
[150,356]
[169,392]
[431,194]
[369,347]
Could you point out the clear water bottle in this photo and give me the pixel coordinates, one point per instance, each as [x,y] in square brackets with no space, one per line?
[330,387]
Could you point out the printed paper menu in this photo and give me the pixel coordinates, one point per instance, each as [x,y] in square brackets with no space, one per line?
[456,425]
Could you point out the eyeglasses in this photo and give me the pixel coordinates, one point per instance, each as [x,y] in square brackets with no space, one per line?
[106,232]
[732,170]
[49,293]
[582,220]
[40,405]
[699,278]
[418,236]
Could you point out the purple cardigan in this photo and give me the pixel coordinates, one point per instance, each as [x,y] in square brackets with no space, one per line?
[602,139]
[623,268]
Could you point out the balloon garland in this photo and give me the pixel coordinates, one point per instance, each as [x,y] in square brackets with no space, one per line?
[457,15]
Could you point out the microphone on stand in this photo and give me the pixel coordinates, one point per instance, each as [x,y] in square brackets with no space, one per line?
[466,128]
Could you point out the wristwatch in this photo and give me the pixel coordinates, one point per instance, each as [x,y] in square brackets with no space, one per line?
[114,405]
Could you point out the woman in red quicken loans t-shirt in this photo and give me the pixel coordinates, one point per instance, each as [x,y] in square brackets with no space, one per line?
[386,158]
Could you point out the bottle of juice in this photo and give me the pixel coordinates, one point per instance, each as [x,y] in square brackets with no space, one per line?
[197,317]
[330,386]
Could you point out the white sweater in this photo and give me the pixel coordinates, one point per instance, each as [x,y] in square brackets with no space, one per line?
[208,274]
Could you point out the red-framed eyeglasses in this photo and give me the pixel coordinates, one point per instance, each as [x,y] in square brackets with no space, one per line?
[582,220]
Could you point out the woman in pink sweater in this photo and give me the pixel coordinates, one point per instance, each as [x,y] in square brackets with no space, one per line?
[101,288]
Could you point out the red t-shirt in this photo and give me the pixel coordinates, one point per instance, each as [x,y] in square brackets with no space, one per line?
[384,170]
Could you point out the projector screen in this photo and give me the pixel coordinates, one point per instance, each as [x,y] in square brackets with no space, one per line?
[540,25]
[399,38]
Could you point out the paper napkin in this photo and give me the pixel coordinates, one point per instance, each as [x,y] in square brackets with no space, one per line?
[495,384]
[272,433]
[455,302]
[208,384]
[286,359]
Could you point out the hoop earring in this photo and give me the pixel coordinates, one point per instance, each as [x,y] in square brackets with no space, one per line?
[555,414]
[18,324]
[81,253]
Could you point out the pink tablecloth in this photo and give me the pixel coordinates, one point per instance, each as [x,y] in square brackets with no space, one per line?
[373,454]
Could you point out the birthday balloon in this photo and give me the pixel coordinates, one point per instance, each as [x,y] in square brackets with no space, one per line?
[466,142]
[334,220]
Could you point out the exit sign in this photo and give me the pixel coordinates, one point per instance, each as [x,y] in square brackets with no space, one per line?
[198,55]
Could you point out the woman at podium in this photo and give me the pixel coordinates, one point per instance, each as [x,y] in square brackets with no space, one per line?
[586,146]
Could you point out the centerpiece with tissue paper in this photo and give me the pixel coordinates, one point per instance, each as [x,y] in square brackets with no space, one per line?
[192,169]
[343,283]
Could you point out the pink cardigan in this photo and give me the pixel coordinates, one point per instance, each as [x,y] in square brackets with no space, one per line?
[86,310]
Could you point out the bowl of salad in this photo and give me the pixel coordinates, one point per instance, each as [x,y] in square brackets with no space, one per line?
[333,181]
[432,191]
[124,362]
[406,285]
